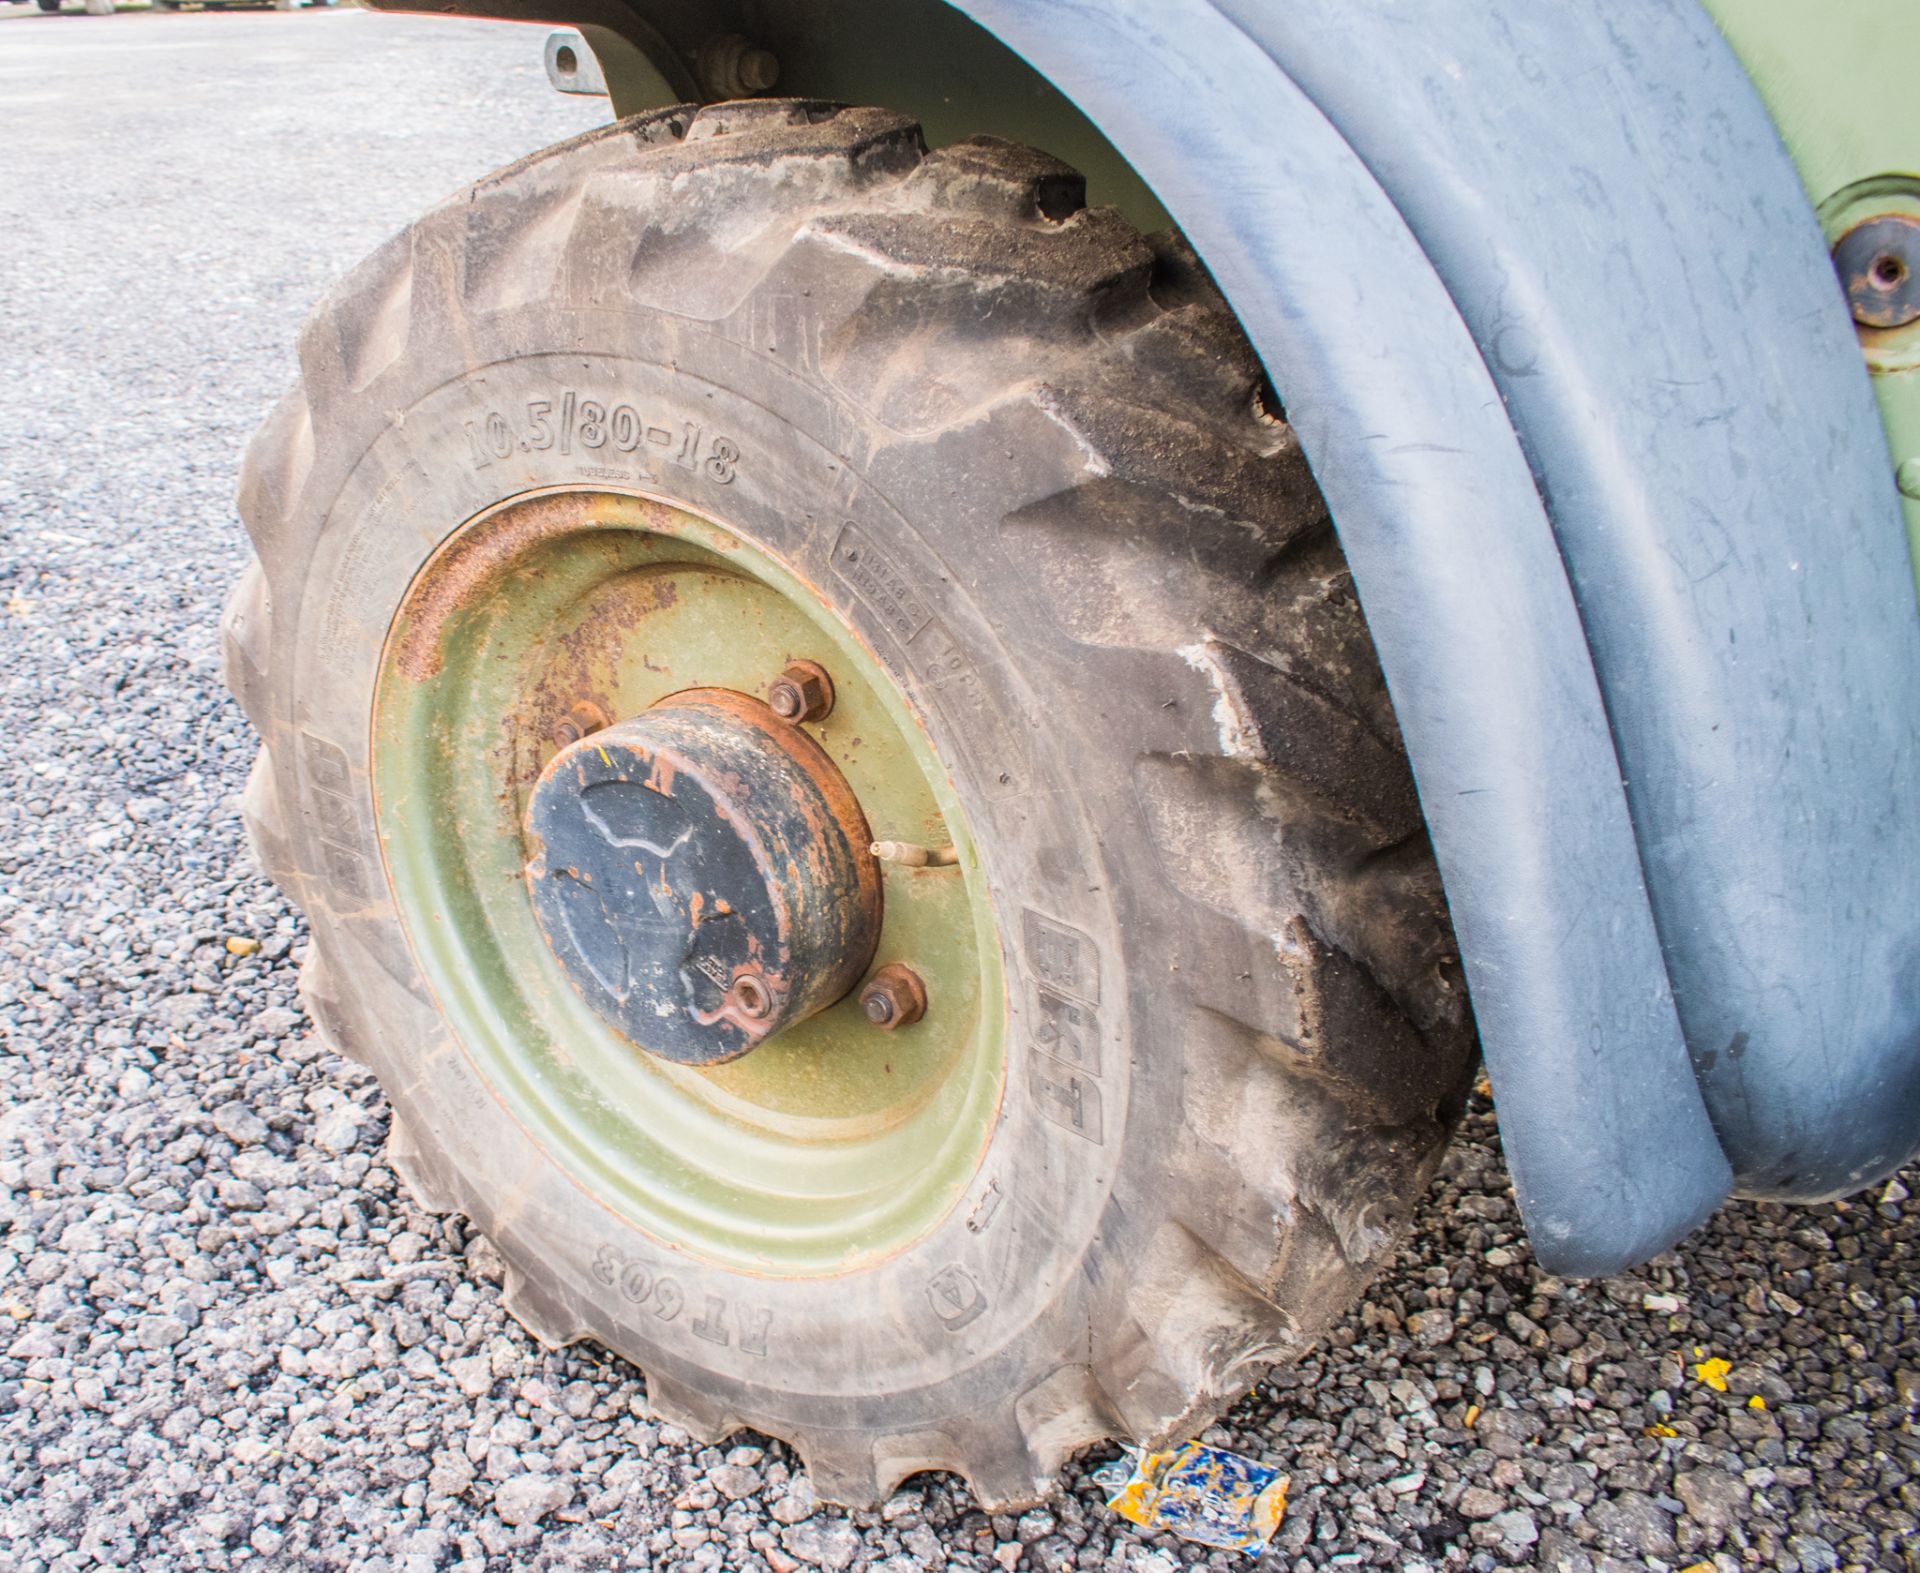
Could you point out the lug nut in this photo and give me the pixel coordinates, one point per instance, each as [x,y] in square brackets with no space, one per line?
[802,692]
[580,721]
[894,997]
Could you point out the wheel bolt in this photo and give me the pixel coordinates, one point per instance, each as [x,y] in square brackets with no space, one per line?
[894,997]
[802,692]
[580,721]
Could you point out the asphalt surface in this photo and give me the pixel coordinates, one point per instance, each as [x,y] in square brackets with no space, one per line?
[226,1337]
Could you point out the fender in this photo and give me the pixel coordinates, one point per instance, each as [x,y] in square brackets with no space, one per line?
[1554,322]
[1615,217]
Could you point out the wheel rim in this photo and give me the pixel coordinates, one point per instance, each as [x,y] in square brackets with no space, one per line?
[833,1142]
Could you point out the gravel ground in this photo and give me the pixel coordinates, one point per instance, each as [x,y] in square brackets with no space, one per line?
[229,1339]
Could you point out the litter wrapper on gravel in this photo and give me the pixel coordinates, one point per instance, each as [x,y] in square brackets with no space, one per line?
[1202,1494]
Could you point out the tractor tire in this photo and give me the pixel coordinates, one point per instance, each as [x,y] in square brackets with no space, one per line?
[1027,465]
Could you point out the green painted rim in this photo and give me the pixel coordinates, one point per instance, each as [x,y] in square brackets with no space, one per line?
[833,1144]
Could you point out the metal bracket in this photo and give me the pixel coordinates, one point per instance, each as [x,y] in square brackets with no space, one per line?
[572,67]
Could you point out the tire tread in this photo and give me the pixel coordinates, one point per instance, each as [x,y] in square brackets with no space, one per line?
[1127,345]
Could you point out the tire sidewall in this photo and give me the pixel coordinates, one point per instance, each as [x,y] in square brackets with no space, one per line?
[995,1292]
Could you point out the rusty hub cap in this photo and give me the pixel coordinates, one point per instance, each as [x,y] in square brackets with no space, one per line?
[701,875]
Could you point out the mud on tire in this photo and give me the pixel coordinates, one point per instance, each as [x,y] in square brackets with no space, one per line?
[1098,565]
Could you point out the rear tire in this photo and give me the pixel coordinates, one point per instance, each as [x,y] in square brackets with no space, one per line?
[1026,455]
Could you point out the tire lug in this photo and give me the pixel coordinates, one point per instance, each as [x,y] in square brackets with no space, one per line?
[894,997]
[802,692]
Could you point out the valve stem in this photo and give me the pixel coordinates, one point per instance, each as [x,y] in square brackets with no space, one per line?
[908,855]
